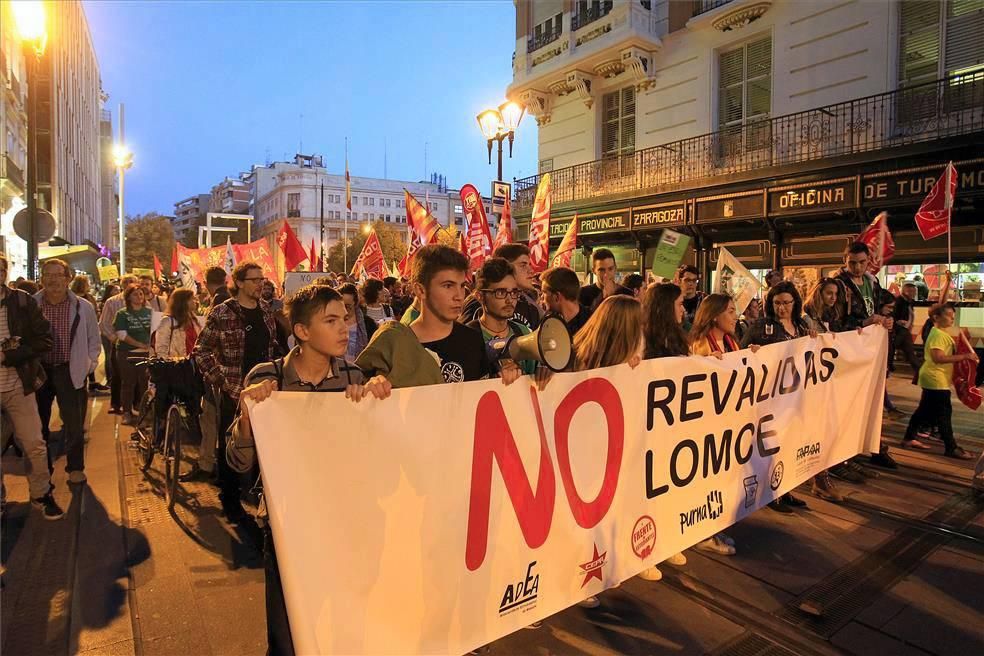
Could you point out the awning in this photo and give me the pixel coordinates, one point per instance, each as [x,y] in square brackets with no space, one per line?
[80,258]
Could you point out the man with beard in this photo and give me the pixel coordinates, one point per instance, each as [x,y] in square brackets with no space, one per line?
[527,312]
[498,292]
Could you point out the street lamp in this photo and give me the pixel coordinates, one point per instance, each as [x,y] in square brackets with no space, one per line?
[499,124]
[122,159]
[30,23]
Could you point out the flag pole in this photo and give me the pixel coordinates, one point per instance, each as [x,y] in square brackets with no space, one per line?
[949,222]
[345,236]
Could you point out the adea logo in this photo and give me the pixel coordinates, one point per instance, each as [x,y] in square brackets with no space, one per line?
[534,510]
[643,536]
[592,568]
[776,479]
[521,594]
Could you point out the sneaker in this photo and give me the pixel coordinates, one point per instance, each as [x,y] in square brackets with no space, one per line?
[726,538]
[858,468]
[77,476]
[960,454]
[716,545]
[196,475]
[49,507]
[884,459]
[114,411]
[590,602]
[780,507]
[845,473]
[651,574]
[677,559]
[824,488]
[790,500]
[914,444]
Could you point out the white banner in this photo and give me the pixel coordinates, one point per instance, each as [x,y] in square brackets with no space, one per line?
[447,516]
[735,280]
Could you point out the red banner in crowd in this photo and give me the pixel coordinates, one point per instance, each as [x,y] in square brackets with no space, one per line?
[504,234]
[879,241]
[933,217]
[158,267]
[258,251]
[565,252]
[540,226]
[194,262]
[965,373]
[479,235]
[294,254]
[420,220]
[371,259]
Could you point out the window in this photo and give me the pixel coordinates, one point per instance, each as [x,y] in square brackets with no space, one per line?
[365,216]
[365,200]
[372,201]
[458,209]
[334,233]
[294,204]
[938,39]
[546,165]
[355,200]
[745,96]
[618,122]
[348,215]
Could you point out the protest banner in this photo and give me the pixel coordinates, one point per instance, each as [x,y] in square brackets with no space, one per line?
[448,516]
[735,280]
[669,253]
[108,272]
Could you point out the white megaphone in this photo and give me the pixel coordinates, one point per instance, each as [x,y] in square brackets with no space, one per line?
[550,345]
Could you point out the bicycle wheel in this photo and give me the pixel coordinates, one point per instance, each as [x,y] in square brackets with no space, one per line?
[172,454]
[146,429]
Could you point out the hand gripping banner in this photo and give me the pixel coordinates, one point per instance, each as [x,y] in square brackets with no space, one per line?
[447,516]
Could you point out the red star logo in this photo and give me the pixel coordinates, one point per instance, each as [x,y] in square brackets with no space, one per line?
[592,568]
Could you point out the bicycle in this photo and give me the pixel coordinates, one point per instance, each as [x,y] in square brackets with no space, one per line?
[168,417]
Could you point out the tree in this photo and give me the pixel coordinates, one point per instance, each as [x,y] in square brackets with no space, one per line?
[390,240]
[146,235]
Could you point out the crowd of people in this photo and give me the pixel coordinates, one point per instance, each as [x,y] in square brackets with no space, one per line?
[366,339]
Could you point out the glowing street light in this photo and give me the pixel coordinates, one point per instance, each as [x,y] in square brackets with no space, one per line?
[500,124]
[122,160]
[29,21]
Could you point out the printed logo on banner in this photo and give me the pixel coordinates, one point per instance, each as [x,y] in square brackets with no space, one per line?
[592,568]
[751,486]
[776,479]
[807,457]
[710,509]
[644,536]
[522,594]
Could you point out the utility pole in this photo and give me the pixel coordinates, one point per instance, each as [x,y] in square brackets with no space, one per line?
[322,250]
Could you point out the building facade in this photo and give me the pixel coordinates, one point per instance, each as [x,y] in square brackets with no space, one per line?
[231,196]
[189,214]
[13,130]
[298,191]
[776,128]
[109,194]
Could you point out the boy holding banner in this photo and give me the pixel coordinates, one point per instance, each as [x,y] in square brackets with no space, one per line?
[317,364]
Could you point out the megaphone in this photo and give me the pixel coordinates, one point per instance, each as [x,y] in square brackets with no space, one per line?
[550,345]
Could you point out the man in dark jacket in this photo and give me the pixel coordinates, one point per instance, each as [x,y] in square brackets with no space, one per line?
[24,337]
[904,319]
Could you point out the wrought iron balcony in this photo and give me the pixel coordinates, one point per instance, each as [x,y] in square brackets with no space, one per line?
[537,42]
[945,108]
[12,172]
[704,6]
[587,14]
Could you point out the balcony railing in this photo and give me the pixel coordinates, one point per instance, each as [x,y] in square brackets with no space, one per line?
[704,6]
[12,172]
[538,41]
[586,14]
[926,112]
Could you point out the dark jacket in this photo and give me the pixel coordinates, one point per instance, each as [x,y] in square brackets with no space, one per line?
[25,320]
[903,307]
[857,312]
[767,331]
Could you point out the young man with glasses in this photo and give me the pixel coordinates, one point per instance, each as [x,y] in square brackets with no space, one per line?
[498,292]
[688,277]
[238,335]
[527,311]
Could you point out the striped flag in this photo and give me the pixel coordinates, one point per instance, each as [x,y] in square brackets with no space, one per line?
[540,226]
[348,186]
[420,220]
[504,234]
[565,252]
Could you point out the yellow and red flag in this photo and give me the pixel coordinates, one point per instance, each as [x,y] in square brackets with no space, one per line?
[158,267]
[420,220]
[348,186]
[504,234]
[565,252]
[370,259]
[540,226]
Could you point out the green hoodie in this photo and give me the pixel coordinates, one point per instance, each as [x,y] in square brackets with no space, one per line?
[395,352]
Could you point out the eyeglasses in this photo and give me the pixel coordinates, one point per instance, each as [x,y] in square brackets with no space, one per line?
[253,279]
[503,293]
[783,303]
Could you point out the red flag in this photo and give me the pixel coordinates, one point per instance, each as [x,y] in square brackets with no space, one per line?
[463,244]
[879,241]
[404,265]
[420,220]
[965,373]
[371,258]
[479,235]
[565,252]
[313,258]
[540,226]
[158,268]
[174,260]
[933,217]
[348,182]
[291,248]
[504,234]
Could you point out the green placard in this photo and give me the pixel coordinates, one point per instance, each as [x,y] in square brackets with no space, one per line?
[669,253]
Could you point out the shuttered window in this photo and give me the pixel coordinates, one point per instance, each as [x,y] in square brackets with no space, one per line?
[618,122]
[939,39]
[745,95]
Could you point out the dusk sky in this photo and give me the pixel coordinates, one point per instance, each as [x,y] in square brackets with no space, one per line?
[211,88]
